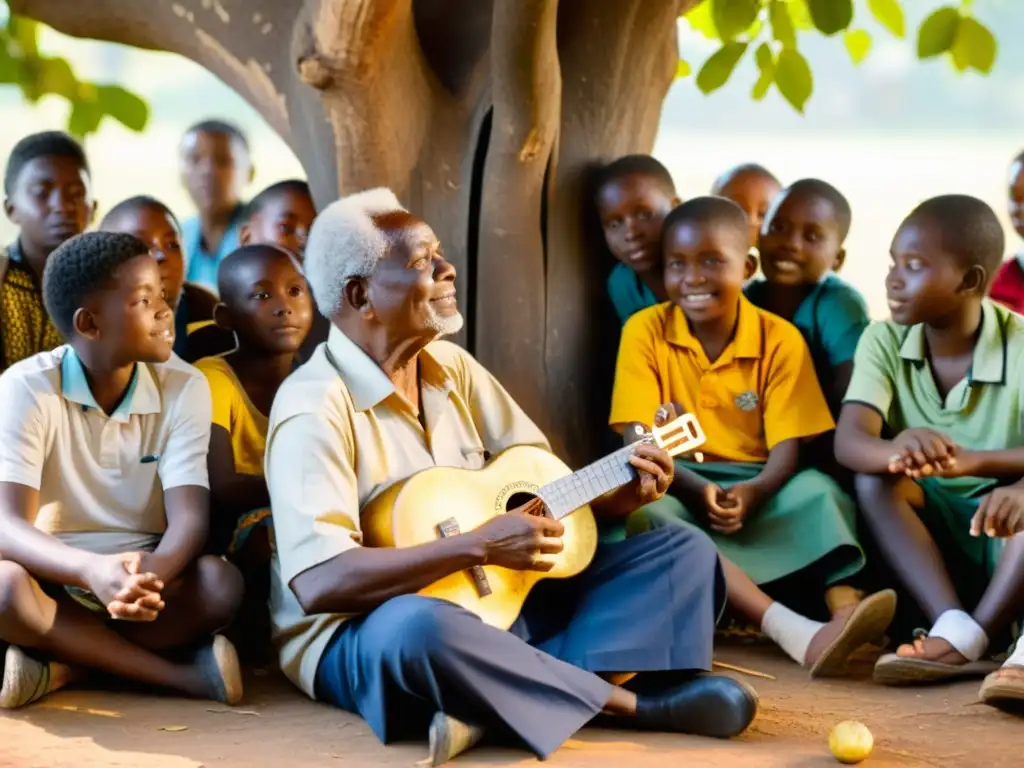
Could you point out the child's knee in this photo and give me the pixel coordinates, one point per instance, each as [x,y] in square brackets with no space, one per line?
[221,589]
[14,580]
[874,491]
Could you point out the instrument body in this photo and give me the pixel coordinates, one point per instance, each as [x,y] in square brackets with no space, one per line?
[444,501]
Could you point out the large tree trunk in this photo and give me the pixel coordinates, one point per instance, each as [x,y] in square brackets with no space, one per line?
[485,116]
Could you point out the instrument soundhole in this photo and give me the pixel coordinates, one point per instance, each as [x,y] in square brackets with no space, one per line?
[526,503]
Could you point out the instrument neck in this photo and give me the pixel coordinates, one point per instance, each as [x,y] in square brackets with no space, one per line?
[567,494]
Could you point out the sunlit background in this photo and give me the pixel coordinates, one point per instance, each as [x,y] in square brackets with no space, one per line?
[888,133]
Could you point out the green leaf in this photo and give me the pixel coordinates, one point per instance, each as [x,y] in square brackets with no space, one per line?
[766,64]
[84,119]
[831,16]
[974,47]
[719,66]
[55,76]
[782,23]
[858,43]
[683,68]
[889,14]
[733,16]
[793,78]
[124,106]
[699,19]
[24,34]
[938,33]
[800,14]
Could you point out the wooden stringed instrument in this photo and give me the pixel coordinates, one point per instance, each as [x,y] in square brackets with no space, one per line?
[445,501]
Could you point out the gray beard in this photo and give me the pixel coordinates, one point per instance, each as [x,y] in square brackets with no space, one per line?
[445,326]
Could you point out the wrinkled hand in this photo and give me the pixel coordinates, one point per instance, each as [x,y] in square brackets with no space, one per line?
[119,583]
[1000,514]
[922,452]
[520,539]
[728,509]
[655,471]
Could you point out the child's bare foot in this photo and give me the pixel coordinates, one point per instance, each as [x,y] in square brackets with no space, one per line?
[931,649]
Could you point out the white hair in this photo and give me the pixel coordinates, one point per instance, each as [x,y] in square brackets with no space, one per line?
[344,242]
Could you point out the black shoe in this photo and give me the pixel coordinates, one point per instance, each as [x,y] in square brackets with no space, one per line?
[711,705]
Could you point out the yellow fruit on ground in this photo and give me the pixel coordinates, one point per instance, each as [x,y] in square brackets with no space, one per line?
[850,742]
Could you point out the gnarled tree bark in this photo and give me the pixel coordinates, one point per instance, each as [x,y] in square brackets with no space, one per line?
[485,116]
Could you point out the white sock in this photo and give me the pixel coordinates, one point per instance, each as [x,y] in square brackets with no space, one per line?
[790,631]
[961,631]
[1016,658]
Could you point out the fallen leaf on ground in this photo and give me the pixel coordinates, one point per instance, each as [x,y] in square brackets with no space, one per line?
[173,728]
[234,712]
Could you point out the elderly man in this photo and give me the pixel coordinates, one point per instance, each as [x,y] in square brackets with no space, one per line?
[382,399]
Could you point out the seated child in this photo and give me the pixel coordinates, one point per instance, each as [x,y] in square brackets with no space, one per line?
[1008,285]
[104,507]
[752,187]
[215,169]
[933,424]
[801,249]
[634,194]
[153,222]
[266,303]
[742,371]
[46,186]
[282,215]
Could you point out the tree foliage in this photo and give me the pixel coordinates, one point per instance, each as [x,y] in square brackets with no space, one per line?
[772,30]
[37,75]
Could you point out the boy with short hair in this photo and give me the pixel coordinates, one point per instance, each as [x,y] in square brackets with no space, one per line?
[267,306]
[47,194]
[281,214]
[104,506]
[933,422]
[633,196]
[1008,285]
[215,169]
[153,222]
[752,187]
[740,371]
[801,250]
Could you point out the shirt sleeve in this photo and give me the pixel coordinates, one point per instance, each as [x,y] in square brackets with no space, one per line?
[794,406]
[872,382]
[222,394]
[314,494]
[22,433]
[188,441]
[636,395]
[498,418]
[844,319]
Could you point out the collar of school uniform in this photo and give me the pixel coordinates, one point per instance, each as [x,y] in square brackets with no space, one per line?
[366,381]
[988,364]
[142,396]
[746,343]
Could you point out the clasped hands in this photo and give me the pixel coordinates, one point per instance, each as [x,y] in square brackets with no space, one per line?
[926,452]
[120,583]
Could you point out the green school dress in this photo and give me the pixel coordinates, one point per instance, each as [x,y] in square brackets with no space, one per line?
[831,319]
[810,520]
[629,294]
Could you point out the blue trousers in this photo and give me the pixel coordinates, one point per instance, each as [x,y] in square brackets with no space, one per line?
[645,604]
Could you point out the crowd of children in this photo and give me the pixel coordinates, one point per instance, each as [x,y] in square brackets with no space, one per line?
[131,480]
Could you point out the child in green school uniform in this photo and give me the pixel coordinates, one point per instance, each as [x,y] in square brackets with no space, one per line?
[634,194]
[801,251]
[740,370]
[753,188]
[933,423]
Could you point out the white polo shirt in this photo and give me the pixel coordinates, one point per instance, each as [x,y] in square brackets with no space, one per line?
[101,478]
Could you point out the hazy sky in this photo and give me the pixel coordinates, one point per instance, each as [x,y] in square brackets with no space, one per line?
[888,133]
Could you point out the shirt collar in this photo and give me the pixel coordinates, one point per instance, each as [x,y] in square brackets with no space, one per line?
[141,397]
[988,364]
[747,342]
[368,385]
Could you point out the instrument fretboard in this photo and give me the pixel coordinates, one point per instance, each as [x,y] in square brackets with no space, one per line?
[567,494]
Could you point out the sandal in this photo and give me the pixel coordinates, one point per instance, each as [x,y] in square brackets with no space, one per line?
[868,622]
[1001,689]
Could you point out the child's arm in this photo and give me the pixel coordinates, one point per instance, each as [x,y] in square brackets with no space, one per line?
[859,446]
[1007,463]
[230,489]
[185,479]
[782,464]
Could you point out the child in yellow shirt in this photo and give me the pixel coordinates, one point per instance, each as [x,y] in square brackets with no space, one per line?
[748,378]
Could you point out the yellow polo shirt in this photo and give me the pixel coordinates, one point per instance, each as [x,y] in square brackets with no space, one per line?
[339,435]
[761,391]
[235,412]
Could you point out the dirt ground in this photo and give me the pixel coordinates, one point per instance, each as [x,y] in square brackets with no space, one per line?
[276,726]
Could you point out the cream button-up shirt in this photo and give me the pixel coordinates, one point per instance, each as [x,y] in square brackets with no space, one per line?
[339,435]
